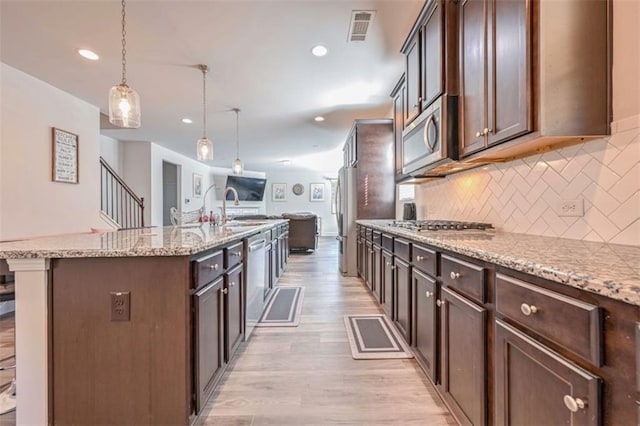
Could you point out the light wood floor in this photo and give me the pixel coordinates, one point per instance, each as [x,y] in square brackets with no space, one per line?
[305,375]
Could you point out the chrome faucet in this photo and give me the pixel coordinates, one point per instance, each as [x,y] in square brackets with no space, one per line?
[224,202]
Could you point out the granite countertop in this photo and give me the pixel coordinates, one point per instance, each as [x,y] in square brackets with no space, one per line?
[610,270]
[153,241]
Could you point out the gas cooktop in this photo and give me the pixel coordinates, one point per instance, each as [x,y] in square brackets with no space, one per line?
[441,225]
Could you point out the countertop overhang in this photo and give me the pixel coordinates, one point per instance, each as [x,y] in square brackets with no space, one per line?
[151,241]
[611,270]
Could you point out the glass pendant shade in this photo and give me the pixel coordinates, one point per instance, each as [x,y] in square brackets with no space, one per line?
[237,167]
[124,107]
[205,149]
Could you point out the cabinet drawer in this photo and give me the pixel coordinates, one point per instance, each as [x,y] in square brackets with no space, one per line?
[377,237]
[207,269]
[569,322]
[387,242]
[233,255]
[424,259]
[465,277]
[368,232]
[402,249]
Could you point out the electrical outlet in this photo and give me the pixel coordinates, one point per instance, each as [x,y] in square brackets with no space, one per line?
[573,208]
[120,306]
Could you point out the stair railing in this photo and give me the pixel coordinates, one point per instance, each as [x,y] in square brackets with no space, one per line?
[118,201]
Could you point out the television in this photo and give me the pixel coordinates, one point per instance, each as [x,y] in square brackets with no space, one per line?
[249,189]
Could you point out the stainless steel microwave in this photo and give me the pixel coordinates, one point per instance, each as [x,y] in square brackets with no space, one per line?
[431,140]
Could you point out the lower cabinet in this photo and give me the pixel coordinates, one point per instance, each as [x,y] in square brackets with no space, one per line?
[233,310]
[209,339]
[375,272]
[425,322]
[386,282]
[402,298]
[535,385]
[463,374]
[369,275]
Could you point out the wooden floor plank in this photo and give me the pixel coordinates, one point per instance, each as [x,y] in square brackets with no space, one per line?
[305,375]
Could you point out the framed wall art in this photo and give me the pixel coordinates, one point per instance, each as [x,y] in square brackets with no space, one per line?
[316,191]
[64,156]
[197,185]
[278,192]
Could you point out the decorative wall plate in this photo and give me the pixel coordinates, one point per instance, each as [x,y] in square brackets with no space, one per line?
[298,189]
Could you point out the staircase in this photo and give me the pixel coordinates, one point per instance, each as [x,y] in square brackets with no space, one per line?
[118,201]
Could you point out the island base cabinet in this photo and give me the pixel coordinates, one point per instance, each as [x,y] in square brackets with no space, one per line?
[234,311]
[209,339]
[537,386]
[463,369]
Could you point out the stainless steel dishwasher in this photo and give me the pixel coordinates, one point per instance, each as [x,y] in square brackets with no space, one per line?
[256,281]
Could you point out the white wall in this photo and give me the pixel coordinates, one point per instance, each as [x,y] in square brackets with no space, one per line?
[110,151]
[31,204]
[135,160]
[299,203]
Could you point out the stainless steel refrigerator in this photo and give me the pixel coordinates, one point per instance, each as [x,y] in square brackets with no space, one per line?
[346,216]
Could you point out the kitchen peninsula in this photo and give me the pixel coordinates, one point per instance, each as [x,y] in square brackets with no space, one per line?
[134,326]
[513,328]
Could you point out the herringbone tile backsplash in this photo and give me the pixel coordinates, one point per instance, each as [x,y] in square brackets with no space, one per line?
[525,195]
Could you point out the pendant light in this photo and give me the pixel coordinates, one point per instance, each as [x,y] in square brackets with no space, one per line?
[124,102]
[237,166]
[205,147]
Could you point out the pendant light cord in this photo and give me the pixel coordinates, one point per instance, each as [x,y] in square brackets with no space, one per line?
[237,132]
[204,69]
[124,47]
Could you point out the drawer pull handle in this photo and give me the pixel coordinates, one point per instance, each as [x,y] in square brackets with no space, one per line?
[419,258]
[213,267]
[574,404]
[454,275]
[428,293]
[528,309]
[238,254]
[225,291]
[440,303]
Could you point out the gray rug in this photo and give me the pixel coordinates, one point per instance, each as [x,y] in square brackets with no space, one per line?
[284,308]
[374,337]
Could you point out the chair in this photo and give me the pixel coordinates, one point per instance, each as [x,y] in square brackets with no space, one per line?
[8,395]
[303,231]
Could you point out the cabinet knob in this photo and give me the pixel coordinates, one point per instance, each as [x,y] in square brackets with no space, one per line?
[225,291]
[233,283]
[428,293]
[440,303]
[238,253]
[486,131]
[419,258]
[478,134]
[454,275]
[528,309]
[574,404]
[213,267]
[393,266]
[388,264]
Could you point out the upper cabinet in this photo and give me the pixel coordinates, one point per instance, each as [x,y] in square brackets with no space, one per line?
[399,96]
[528,76]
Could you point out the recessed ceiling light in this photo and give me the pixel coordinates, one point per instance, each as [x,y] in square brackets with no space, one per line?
[88,54]
[187,120]
[285,162]
[319,118]
[319,50]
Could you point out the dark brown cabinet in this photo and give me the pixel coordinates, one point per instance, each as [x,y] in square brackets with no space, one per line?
[425,322]
[402,298]
[209,340]
[432,45]
[386,283]
[463,366]
[376,279]
[398,95]
[234,310]
[412,79]
[537,386]
[369,262]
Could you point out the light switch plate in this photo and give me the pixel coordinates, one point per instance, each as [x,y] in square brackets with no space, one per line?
[120,306]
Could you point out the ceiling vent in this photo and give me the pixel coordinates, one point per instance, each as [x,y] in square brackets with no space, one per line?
[361,21]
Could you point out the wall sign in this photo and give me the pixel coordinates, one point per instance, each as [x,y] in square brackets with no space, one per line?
[64,155]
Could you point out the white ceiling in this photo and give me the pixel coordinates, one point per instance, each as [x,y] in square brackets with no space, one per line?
[260,61]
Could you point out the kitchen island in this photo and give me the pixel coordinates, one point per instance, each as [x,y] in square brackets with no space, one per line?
[110,327]
[513,328]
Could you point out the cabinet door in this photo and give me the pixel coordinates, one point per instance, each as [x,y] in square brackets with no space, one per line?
[234,310]
[412,106]
[377,287]
[367,263]
[278,254]
[425,321]
[398,127]
[509,69]
[432,47]
[386,282]
[463,371]
[359,265]
[402,298]
[472,36]
[537,386]
[209,339]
